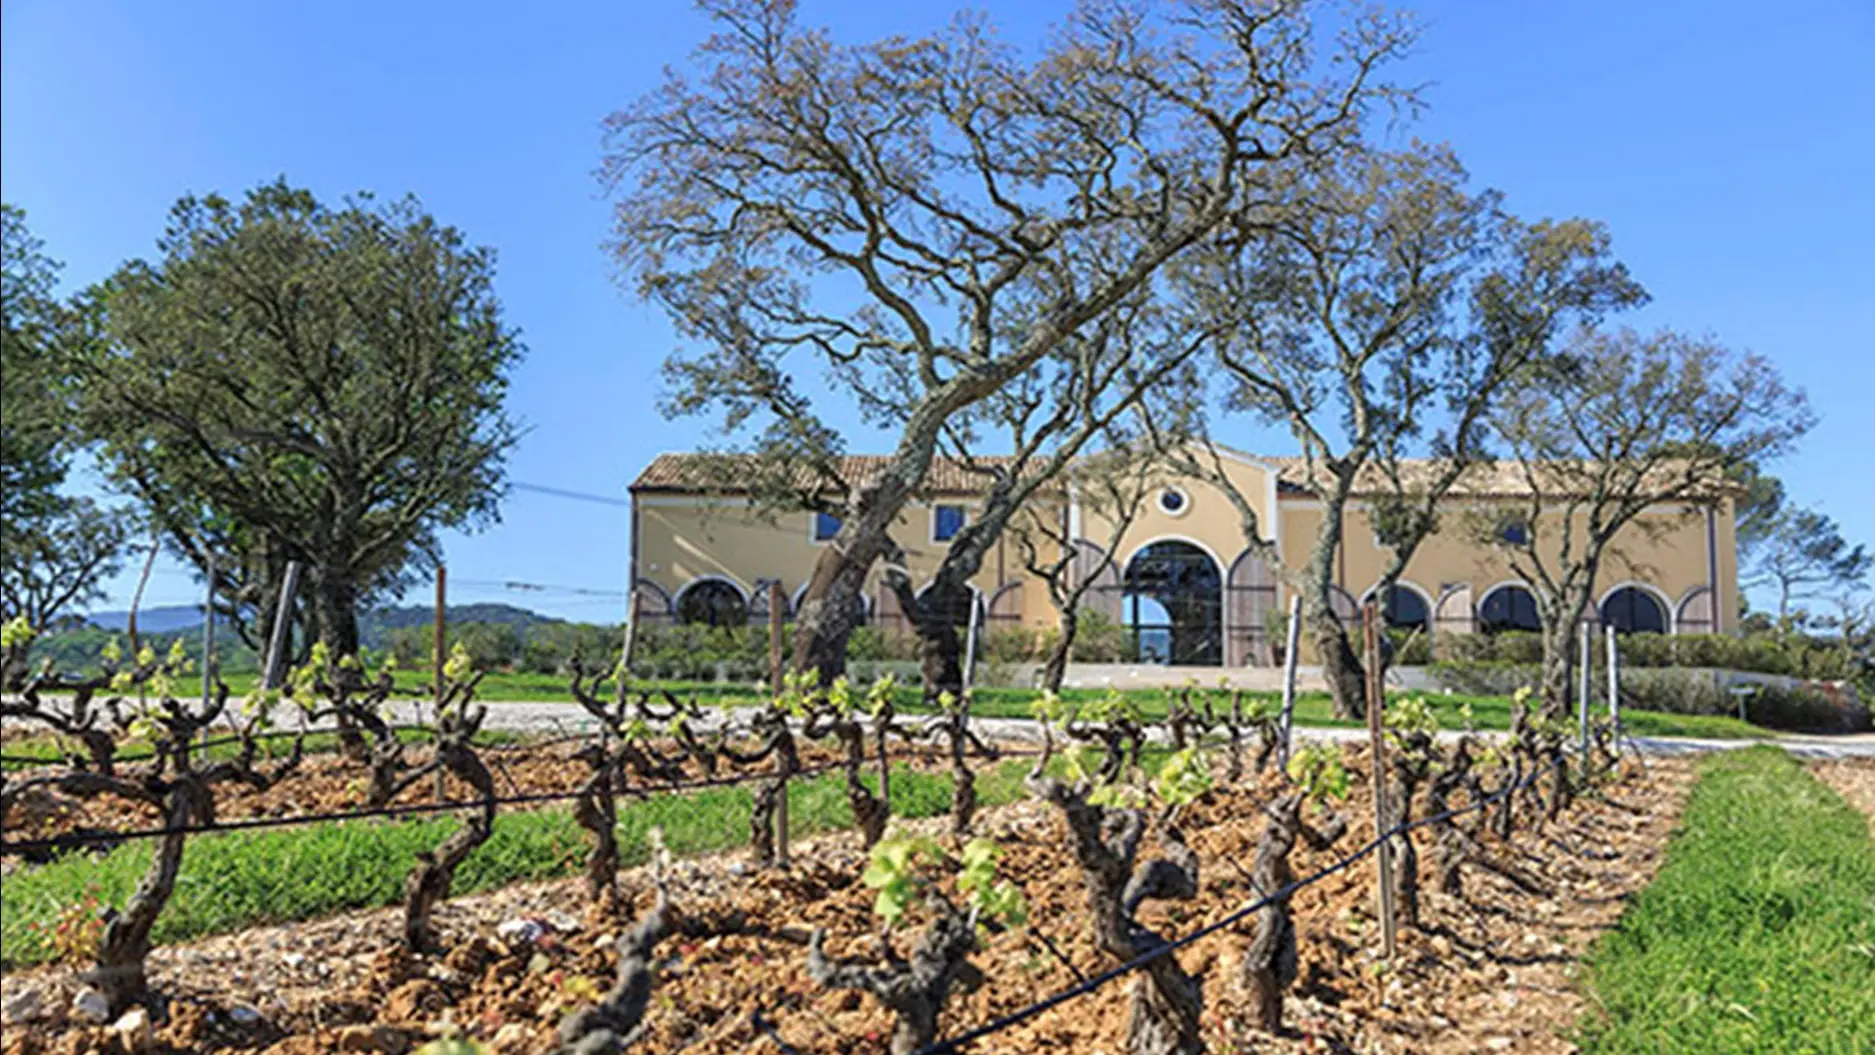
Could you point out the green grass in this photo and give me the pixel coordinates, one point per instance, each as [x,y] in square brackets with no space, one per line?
[246,879]
[1758,935]
[1312,708]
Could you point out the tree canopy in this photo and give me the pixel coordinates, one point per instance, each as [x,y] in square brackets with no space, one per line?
[926,220]
[55,549]
[294,381]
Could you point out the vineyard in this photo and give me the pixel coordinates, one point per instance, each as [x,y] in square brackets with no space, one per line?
[1223,887]
[1196,883]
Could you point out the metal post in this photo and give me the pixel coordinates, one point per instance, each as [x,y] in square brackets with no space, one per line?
[277,642]
[1376,702]
[1614,688]
[1587,680]
[970,645]
[208,633]
[775,678]
[1289,678]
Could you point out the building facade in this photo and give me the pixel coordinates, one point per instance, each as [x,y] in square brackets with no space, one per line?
[1179,578]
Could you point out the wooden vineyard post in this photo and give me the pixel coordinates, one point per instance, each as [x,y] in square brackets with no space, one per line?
[436,657]
[970,644]
[1376,702]
[1289,679]
[208,634]
[1588,683]
[775,684]
[277,642]
[1614,690]
[631,633]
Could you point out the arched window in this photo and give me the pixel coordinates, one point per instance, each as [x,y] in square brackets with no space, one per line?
[1405,609]
[1633,610]
[712,602]
[1508,608]
[1172,602]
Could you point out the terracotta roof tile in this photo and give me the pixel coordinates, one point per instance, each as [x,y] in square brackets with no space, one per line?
[698,473]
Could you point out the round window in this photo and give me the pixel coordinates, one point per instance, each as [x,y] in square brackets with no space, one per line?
[1173,502]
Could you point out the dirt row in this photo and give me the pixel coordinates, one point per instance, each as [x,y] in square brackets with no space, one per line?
[329,783]
[1492,970]
[1854,781]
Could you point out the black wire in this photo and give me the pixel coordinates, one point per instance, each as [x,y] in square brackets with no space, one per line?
[77,840]
[951,1045]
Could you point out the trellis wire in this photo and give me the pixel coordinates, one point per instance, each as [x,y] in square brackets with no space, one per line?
[951,1045]
[77,840]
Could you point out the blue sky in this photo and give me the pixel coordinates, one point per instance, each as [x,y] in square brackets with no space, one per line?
[1726,144]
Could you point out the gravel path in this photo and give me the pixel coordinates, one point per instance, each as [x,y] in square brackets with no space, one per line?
[568,718]
[539,717]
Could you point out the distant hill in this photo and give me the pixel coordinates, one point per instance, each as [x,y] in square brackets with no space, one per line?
[158,620]
[373,627]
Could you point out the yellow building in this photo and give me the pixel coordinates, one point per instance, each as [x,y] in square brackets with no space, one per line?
[1180,579]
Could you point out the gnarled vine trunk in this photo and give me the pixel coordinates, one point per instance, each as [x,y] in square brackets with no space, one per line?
[915,990]
[1270,964]
[1166,1002]
[118,970]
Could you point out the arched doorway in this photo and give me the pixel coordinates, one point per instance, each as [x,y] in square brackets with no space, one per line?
[1172,605]
[1405,608]
[1634,610]
[1508,607]
[712,602]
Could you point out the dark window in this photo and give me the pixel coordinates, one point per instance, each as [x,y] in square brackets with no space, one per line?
[1515,533]
[1405,610]
[1172,605]
[1172,500]
[712,603]
[1632,610]
[826,525]
[946,522]
[1508,608]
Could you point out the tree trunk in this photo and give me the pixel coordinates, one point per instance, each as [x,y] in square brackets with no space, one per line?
[1055,668]
[1341,668]
[831,606]
[337,610]
[940,653]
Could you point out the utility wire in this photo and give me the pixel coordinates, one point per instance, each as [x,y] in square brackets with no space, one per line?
[561,492]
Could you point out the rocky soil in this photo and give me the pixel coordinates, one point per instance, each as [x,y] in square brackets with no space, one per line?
[1491,971]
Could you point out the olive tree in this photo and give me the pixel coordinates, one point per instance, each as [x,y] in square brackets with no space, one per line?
[1378,319]
[56,550]
[926,220]
[295,381]
[1620,425]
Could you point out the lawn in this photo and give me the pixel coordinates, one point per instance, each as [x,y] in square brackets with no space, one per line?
[1759,932]
[1312,708]
[244,879]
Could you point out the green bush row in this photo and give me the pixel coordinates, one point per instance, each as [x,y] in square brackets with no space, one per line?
[1788,653]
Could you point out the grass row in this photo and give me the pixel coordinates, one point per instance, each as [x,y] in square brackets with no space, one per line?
[233,881]
[1759,932]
